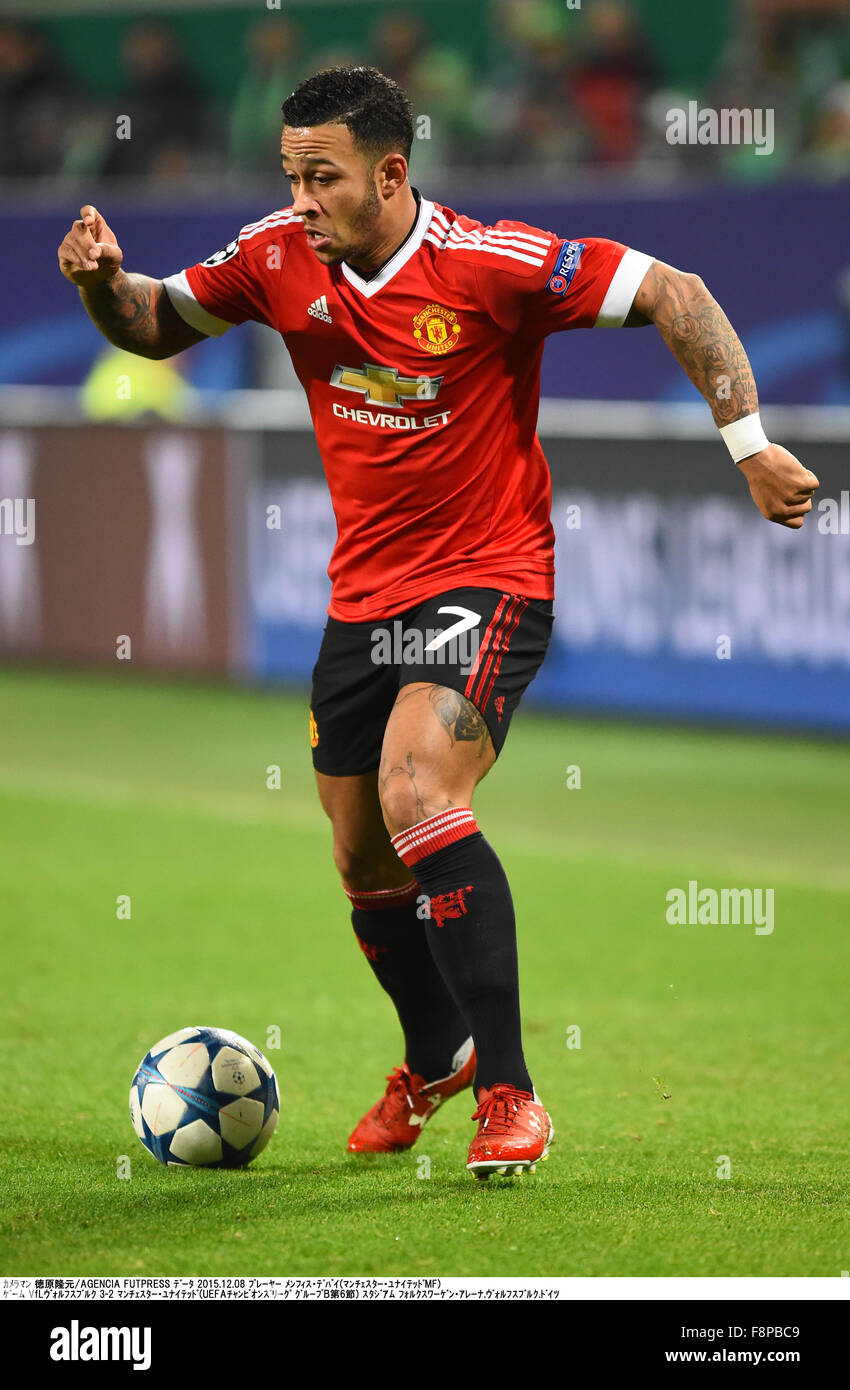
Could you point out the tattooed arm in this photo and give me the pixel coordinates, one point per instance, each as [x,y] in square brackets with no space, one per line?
[132,311]
[700,337]
[703,341]
[135,313]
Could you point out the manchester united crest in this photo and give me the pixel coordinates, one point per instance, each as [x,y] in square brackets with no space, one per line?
[436,329]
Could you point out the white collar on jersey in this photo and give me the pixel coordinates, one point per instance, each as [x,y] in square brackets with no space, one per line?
[407,249]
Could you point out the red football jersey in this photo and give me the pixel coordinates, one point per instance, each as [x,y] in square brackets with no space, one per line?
[423,383]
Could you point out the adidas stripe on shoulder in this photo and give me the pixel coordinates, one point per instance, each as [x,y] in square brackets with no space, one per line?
[506,246]
[282,220]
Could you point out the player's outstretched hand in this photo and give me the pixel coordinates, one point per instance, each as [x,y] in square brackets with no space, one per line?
[781,487]
[90,252]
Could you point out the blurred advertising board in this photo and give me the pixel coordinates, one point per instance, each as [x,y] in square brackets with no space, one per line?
[208,547]
[674,597]
[776,260]
[118,546]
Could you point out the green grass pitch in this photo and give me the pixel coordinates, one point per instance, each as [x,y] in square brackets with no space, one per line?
[697,1042]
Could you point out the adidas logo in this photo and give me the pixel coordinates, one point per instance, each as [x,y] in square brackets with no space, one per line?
[319,309]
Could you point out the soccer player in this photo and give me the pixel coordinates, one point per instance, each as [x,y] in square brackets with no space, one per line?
[417,334]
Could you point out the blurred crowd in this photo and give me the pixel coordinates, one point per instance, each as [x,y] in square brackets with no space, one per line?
[560,88]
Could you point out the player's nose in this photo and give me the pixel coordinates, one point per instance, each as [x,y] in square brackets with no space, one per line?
[305,206]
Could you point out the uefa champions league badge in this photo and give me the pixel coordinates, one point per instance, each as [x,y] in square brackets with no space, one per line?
[562,276]
[223,255]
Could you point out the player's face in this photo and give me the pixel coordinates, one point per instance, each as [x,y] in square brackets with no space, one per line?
[333,190]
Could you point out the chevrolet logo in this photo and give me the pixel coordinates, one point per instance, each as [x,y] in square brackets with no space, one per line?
[384,386]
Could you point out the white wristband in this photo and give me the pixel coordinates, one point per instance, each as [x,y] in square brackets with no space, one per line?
[744,437]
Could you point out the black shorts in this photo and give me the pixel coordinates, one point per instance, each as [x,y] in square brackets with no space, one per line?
[488,650]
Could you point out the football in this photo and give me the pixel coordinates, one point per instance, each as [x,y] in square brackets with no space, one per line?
[204,1098]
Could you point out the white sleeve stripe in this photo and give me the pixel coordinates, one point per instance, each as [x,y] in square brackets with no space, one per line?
[248,232]
[508,234]
[493,251]
[518,245]
[501,234]
[623,288]
[187,306]
[269,217]
[535,244]
[534,241]
[488,243]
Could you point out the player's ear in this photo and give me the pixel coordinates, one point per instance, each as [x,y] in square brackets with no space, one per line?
[391,173]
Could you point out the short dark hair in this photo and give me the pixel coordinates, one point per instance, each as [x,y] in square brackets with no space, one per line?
[370,104]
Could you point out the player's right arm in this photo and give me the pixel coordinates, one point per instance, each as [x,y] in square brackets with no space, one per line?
[132,311]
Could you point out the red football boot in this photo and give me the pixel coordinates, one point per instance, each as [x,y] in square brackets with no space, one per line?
[514,1132]
[407,1105]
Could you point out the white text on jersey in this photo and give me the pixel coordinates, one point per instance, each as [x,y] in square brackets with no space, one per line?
[391,422]
[319,309]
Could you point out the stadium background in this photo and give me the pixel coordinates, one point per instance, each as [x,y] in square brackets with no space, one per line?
[532,110]
[152,484]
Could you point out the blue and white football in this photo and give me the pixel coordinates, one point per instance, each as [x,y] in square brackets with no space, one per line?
[206,1098]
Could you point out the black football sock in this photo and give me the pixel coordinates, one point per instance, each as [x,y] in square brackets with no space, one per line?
[472,935]
[392,938]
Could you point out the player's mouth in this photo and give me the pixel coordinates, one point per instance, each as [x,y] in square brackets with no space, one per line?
[316,241]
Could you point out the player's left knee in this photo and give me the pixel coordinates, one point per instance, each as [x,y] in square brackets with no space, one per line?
[405,804]
[402,806]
